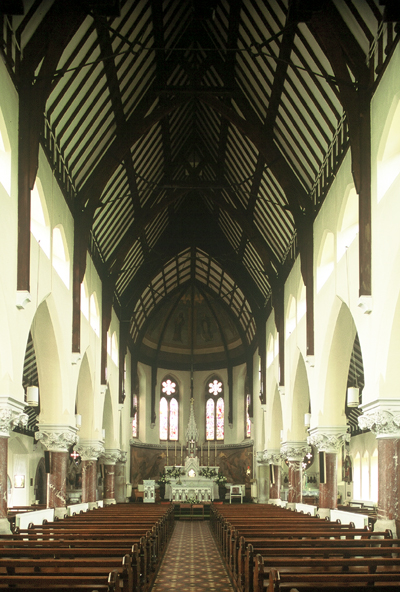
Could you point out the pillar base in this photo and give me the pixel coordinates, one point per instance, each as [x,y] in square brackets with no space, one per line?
[323,513]
[382,525]
[291,506]
[93,505]
[60,512]
[275,501]
[5,526]
[109,501]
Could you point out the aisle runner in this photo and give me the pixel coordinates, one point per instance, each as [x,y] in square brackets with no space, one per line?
[192,561]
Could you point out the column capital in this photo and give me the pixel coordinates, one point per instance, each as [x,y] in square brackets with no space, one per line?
[272,456]
[382,417]
[329,438]
[90,449]
[11,415]
[110,456]
[295,451]
[123,455]
[57,437]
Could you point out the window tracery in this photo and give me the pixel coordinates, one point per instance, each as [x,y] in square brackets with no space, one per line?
[215,410]
[169,410]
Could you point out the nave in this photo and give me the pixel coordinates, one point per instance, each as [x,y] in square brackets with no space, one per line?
[192,561]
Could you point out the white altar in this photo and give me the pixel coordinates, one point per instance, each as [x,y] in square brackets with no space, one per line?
[192,485]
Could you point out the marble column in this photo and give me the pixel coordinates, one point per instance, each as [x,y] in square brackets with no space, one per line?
[11,415]
[120,478]
[57,439]
[109,459]
[328,439]
[382,417]
[295,452]
[89,451]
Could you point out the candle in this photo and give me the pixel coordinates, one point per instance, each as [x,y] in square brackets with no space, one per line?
[201,453]
[208,454]
[215,454]
[167,452]
[181,454]
[175,453]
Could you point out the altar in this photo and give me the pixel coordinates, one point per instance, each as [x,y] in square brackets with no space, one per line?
[192,485]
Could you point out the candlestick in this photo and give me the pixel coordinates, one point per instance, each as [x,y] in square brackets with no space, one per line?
[208,454]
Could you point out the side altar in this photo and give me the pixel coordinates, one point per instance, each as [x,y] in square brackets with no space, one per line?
[192,485]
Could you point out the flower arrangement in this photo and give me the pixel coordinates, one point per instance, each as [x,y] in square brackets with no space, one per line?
[207,472]
[220,479]
[191,500]
[175,472]
[163,479]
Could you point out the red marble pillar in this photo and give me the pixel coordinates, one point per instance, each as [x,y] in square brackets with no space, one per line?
[56,480]
[328,490]
[3,476]
[109,482]
[89,481]
[275,486]
[387,482]
[295,481]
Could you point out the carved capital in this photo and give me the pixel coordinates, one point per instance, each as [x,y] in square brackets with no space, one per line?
[90,449]
[295,451]
[328,439]
[382,419]
[110,456]
[57,438]
[11,415]
[122,456]
[273,456]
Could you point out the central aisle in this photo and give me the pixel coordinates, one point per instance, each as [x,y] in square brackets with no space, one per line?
[192,561]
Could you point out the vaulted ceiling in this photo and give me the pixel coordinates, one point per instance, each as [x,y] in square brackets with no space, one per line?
[195,142]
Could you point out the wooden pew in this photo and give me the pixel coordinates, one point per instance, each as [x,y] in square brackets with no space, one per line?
[102,541]
[331,582]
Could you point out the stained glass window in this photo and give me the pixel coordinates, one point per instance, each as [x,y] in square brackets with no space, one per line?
[248,422]
[210,415]
[135,418]
[169,410]
[215,410]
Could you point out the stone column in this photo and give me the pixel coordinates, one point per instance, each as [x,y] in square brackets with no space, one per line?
[89,451]
[382,417]
[120,479]
[11,415]
[295,452]
[262,479]
[57,439]
[109,459]
[273,458]
[328,440]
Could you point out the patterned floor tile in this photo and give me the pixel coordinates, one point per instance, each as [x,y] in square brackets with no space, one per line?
[192,562]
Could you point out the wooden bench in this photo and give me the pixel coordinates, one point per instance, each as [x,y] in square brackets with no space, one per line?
[89,546]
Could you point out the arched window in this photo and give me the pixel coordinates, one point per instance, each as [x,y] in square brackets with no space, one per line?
[5,156]
[248,421]
[40,223]
[135,426]
[94,314]
[169,410]
[60,255]
[84,299]
[215,410]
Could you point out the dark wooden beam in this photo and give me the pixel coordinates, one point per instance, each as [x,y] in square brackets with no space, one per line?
[340,48]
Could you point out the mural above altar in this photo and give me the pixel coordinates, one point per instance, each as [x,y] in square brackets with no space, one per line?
[196,482]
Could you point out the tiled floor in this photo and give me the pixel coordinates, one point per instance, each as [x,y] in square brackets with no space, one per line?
[192,561]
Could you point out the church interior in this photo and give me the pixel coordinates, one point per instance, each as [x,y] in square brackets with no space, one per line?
[200,255]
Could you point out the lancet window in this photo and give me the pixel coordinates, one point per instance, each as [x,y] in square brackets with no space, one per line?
[215,409]
[169,410]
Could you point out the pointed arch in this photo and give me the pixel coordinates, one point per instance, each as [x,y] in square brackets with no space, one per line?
[300,401]
[85,402]
[60,259]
